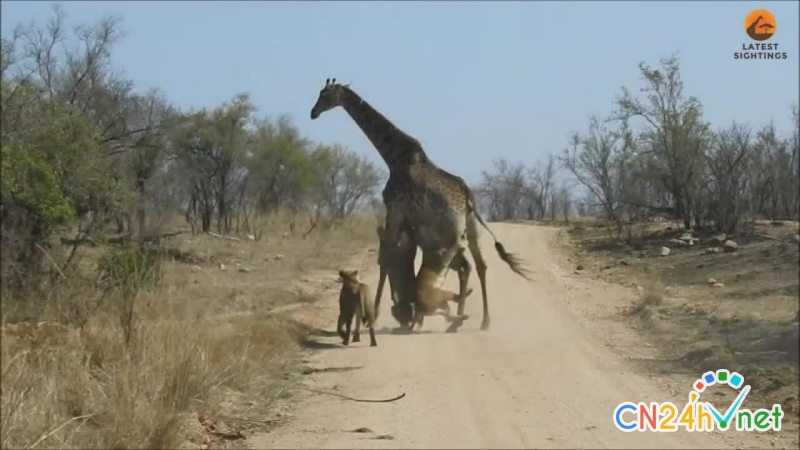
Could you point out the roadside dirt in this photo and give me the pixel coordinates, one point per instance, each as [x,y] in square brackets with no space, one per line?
[556,362]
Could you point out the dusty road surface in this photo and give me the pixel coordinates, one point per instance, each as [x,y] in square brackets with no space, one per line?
[542,377]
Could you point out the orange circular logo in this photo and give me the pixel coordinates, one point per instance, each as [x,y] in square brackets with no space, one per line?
[760,24]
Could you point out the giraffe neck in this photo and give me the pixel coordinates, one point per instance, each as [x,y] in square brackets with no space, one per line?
[394,145]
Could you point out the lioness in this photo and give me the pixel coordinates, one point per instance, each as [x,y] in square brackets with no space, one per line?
[400,273]
[354,299]
[420,290]
[431,300]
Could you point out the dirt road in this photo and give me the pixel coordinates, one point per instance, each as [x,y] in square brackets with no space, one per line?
[542,377]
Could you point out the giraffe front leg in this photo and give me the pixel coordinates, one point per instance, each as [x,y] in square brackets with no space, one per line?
[392,291]
[401,310]
[359,319]
[401,306]
[379,291]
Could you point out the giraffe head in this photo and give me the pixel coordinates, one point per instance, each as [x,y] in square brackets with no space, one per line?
[329,97]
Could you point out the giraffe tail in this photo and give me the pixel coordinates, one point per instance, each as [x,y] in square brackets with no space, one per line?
[516,263]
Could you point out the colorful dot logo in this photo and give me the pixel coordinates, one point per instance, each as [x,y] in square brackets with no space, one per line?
[722,376]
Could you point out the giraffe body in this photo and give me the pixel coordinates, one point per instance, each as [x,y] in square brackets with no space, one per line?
[396,199]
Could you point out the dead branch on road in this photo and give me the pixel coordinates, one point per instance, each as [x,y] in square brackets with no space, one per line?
[355,399]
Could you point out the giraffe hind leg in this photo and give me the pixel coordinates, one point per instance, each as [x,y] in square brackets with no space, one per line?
[463,268]
[480,266]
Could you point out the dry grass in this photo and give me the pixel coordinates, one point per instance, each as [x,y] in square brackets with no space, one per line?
[750,324]
[651,295]
[204,340]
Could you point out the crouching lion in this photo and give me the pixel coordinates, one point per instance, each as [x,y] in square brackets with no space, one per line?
[397,262]
[434,303]
[431,300]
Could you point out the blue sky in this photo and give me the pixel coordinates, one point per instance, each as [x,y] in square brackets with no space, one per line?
[470,80]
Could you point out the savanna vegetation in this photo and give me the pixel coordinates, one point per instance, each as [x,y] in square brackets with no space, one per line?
[700,218]
[130,228]
[654,154]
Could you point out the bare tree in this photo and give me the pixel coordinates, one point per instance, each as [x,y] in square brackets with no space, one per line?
[729,159]
[600,161]
[774,174]
[347,180]
[676,166]
[545,173]
[279,164]
[790,176]
[212,145]
[675,136]
[565,202]
[504,188]
[150,116]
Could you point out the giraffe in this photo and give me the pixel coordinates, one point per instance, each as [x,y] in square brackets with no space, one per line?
[438,205]
[398,150]
[442,208]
